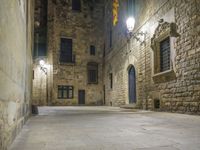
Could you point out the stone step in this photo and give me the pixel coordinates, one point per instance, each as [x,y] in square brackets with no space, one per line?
[129,106]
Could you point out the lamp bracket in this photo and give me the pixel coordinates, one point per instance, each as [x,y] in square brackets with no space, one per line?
[138,36]
[44,69]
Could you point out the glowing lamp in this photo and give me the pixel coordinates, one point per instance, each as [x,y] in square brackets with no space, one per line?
[42,63]
[130,23]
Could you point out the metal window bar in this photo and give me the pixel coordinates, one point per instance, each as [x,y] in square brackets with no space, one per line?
[93,73]
[64,58]
[165,55]
[65,92]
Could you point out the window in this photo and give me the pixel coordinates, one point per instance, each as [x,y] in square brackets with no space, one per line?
[162,44]
[33,75]
[92,73]
[92,50]
[40,47]
[104,50]
[111,80]
[165,55]
[131,7]
[66,50]
[76,5]
[65,92]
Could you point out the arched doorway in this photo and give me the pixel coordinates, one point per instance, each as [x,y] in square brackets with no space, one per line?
[132,85]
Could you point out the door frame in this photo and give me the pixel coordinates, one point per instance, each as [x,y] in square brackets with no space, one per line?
[135,85]
[79,91]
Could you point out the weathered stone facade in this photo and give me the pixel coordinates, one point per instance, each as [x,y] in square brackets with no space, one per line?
[15,67]
[176,89]
[85,28]
[180,93]
[39,90]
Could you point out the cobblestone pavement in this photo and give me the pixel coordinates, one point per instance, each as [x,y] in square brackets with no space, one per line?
[108,128]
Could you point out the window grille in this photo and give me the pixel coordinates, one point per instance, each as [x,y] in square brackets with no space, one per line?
[93,73]
[165,55]
[92,50]
[76,5]
[65,92]
[66,51]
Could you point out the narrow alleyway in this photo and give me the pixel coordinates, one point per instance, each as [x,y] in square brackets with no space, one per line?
[107,128]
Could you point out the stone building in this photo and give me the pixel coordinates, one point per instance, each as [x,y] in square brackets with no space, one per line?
[84,55]
[157,66]
[16,35]
[39,93]
[73,71]
[92,59]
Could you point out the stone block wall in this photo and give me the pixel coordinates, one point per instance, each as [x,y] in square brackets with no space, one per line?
[180,94]
[85,28]
[40,75]
[15,67]
[40,82]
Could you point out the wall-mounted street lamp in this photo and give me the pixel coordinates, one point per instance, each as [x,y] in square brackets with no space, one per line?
[139,36]
[42,66]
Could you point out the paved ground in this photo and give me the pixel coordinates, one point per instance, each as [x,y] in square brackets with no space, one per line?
[106,128]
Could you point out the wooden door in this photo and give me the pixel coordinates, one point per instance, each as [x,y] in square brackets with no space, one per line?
[132,85]
[81,97]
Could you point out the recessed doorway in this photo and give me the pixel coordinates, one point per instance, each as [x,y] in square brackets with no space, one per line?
[81,97]
[132,85]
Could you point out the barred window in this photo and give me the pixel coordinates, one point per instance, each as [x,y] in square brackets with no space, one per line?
[162,44]
[76,5]
[66,50]
[165,55]
[65,92]
[92,73]
[92,50]
[111,80]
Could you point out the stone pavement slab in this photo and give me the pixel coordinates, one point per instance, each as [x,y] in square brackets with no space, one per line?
[108,128]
